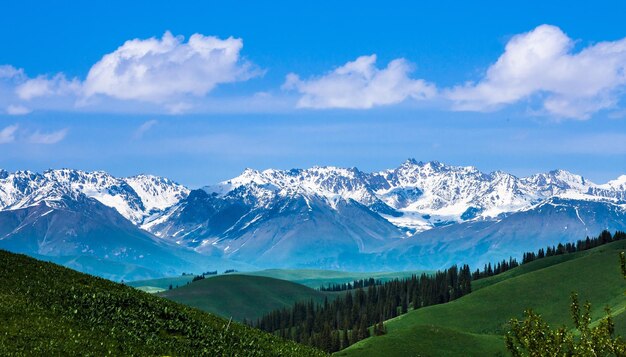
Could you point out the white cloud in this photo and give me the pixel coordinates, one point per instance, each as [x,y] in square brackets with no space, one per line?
[10,72]
[543,67]
[541,64]
[360,85]
[155,70]
[14,109]
[7,135]
[47,138]
[42,86]
[166,74]
[143,128]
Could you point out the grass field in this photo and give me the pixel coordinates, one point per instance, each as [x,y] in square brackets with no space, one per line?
[48,310]
[243,296]
[474,324]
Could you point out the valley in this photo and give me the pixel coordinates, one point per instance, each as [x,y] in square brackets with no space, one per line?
[293,178]
[274,239]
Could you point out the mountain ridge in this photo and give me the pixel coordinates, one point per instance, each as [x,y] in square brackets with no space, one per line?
[344,218]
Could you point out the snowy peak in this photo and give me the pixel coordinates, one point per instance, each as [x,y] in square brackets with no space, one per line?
[103,187]
[157,193]
[422,194]
[558,181]
[416,195]
[618,184]
[21,188]
[325,181]
[135,198]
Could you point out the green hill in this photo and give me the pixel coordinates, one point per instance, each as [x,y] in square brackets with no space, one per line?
[242,296]
[474,324]
[160,284]
[46,309]
[316,278]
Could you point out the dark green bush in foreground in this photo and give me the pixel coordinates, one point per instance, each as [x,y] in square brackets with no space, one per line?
[46,309]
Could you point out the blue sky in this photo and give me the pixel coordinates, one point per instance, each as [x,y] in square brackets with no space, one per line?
[516,87]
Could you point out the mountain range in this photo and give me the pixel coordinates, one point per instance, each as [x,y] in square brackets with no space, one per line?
[420,215]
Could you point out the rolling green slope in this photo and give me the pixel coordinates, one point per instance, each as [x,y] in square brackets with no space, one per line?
[308,277]
[317,278]
[242,296]
[474,324]
[160,284]
[47,310]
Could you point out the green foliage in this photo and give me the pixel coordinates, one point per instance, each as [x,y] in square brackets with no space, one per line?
[46,309]
[533,336]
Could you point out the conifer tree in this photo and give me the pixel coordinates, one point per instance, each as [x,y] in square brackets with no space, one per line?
[345,342]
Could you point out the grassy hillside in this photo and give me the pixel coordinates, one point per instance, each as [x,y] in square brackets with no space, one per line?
[242,296]
[317,278]
[46,309]
[473,325]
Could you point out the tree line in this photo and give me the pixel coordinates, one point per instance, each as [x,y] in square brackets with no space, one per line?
[356,284]
[527,257]
[580,245]
[336,324]
[496,269]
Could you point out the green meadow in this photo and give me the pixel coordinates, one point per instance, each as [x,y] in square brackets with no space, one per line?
[474,324]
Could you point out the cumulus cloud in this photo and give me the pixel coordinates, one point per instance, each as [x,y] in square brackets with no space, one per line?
[543,67]
[42,86]
[155,70]
[167,74]
[14,109]
[360,85]
[7,135]
[542,64]
[143,128]
[47,138]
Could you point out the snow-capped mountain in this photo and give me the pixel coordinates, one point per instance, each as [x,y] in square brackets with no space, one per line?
[478,242]
[296,214]
[418,215]
[266,226]
[90,221]
[419,196]
[136,198]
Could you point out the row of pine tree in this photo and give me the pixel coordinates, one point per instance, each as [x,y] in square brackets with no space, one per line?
[356,284]
[580,245]
[335,325]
